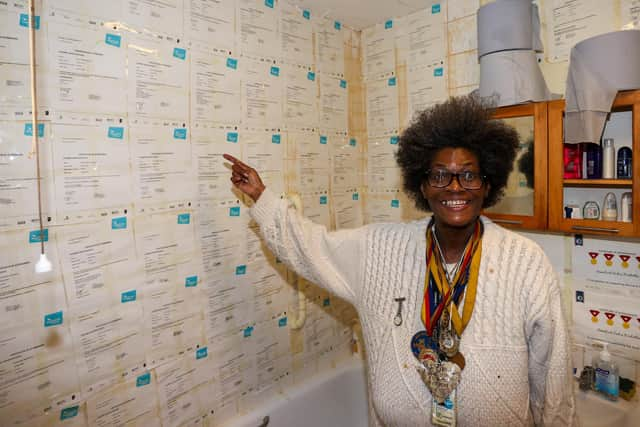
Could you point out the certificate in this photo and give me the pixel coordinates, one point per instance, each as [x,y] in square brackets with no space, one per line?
[86,68]
[571,21]
[157,78]
[310,164]
[208,143]
[109,11]
[227,307]
[99,262]
[333,103]
[27,296]
[347,209]
[329,47]
[91,165]
[235,368]
[264,150]
[167,247]
[258,26]
[383,206]
[18,177]
[172,323]
[378,51]
[161,162]
[15,91]
[315,206]
[37,369]
[426,86]
[14,32]
[212,22]
[261,93]
[382,169]
[300,96]
[296,36]
[273,355]
[382,105]
[346,162]
[270,296]
[133,401]
[107,344]
[156,16]
[427,43]
[215,88]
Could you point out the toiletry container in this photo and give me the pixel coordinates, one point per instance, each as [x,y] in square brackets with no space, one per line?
[572,156]
[626,207]
[593,161]
[608,159]
[624,163]
[610,208]
[607,378]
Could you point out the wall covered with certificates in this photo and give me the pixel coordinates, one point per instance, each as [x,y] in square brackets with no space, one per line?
[163,307]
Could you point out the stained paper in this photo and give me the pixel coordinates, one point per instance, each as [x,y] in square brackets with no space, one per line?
[296,36]
[215,87]
[157,16]
[257,28]
[211,22]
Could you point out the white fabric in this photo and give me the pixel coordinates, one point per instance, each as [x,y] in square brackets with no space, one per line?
[516,345]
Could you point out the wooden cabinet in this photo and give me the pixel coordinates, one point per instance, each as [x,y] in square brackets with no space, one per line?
[624,126]
[524,204]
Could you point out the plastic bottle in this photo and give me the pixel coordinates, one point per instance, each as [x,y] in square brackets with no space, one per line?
[607,378]
[608,159]
[624,163]
[610,208]
[626,207]
[593,161]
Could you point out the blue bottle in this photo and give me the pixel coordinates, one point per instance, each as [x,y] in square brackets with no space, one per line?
[594,161]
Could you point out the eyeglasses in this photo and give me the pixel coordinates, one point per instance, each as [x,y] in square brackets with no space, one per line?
[468,180]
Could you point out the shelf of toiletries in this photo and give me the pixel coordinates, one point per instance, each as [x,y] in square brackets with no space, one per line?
[600,183]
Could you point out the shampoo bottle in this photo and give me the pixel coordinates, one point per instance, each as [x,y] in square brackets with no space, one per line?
[607,379]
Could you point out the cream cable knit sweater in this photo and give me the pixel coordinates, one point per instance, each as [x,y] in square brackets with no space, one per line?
[516,344]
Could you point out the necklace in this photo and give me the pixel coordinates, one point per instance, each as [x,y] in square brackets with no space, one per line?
[449,273]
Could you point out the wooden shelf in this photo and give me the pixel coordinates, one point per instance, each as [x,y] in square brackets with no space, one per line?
[615,183]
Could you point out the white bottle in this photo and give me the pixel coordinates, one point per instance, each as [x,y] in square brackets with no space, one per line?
[608,159]
[626,207]
[607,379]
[610,208]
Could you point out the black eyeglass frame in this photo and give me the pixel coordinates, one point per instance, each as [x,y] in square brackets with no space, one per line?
[483,179]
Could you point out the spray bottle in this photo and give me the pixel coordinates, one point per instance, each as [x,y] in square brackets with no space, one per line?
[607,378]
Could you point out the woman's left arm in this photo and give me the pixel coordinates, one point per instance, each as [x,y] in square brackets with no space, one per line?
[550,380]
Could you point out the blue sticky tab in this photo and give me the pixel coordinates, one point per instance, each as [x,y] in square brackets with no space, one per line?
[179,53]
[53,319]
[311,76]
[323,139]
[323,200]
[353,142]
[234,211]
[68,413]
[184,218]
[248,331]
[394,140]
[355,196]
[119,223]
[275,71]
[180,133]
[268,3]
[306,14]
[36,237]
[232,136]
[282,322]
[144,379]
[435,8]
[395,203]
[191,282]
[392,81]
[128,296]
[28,129]
[115,132]
[201,352]
[275,138]
[337,25]
[326,302]
[113,39]
[343,83]
[389,24]
[24,21]
[241,269]
[232,63]
[438,72]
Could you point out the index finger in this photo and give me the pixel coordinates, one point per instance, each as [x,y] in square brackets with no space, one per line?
[234,160]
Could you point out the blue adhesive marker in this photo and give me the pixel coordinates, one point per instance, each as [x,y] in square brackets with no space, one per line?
[248,331]
[232,63]
[394,140]
[435,8]
[241,270]
[180,53]
[115,132]
[234,211]
[201,353]
[323,139]
[392,81]
[326,302]
[232,137]
[191,281]
[395,203]
[24,21]
[53,319]
[306,14]
[282,322]
[438,72]
[355,196]
[68,413]
[388,25]
[113,39]
[311,76]
[180,133]
[343,83]
[275,138]
[323,200]
[119,223]
[36,237]
[268,3]
[128,296]
[144,379]
[275,71]
[353,142]
[28,129]
[337,25]
[184,218]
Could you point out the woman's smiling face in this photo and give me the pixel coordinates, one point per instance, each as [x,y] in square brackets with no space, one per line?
[455,206]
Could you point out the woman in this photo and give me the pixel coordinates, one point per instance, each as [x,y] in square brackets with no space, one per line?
[462,319]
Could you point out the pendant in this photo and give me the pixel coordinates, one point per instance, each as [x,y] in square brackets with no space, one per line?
[449,342]
[421,342]
[446,380]
[458,359]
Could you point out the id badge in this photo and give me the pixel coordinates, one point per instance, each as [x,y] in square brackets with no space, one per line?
[444,415]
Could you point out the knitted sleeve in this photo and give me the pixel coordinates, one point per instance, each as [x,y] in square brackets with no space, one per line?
[551,388]
[331,260]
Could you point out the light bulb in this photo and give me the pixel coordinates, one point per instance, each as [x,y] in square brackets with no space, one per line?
[43,265]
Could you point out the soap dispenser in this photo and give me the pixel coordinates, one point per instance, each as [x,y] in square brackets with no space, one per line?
[607,378]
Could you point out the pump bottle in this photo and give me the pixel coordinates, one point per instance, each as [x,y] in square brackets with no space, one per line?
[607,378]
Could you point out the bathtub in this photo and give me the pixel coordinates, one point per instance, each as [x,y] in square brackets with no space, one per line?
[337,398]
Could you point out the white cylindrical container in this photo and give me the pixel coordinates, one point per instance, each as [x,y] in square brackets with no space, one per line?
[626,207]
[610,208]
[608,159]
